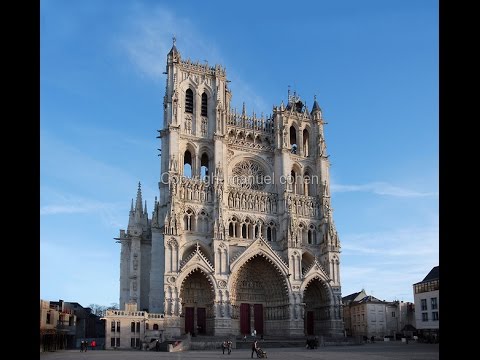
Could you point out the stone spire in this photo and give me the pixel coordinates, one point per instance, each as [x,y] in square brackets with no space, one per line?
[316,110]
[138,219]
[138,204]
[174,54]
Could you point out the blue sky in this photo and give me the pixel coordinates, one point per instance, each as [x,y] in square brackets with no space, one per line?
[373,66]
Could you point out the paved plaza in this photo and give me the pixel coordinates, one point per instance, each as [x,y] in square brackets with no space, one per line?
[376,351]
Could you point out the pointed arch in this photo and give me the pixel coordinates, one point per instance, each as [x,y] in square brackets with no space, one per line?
[310,180]
[189,219]
[204,166]
[312,235]
[293,139]
[306,142]
[204,109]
[189,105]
[203,221]
[295,175]
[187,164]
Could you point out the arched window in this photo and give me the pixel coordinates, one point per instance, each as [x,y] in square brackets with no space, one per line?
[189,101]
[293,181]
[306,184]
[204,166]
[271,232]
[155,326]
[312,235]
[187,164]
[202,224]
[244,231]
[204,104]
[293,139]
[230,230]
[188,220]
[305,143]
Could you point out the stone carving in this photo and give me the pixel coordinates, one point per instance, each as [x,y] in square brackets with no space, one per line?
[173,163]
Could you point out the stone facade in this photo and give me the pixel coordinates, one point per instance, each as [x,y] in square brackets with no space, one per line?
[365,315]
[427,305]
[242,235]
[57,326]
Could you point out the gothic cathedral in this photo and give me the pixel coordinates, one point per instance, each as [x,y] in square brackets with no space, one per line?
[242,235]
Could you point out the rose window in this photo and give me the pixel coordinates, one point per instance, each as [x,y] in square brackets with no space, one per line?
[249,175]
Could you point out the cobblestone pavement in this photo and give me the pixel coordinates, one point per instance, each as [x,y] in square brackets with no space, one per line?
[376,351]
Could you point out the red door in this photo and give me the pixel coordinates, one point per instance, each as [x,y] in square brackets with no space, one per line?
[310,322]
[201,320]
[245,319]
[189,320]
[258,318]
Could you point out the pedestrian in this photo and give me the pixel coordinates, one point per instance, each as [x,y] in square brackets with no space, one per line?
[157,346]
[245,337]
[224,346]
[254,347]
[229,346]
[81,346]
[93,344]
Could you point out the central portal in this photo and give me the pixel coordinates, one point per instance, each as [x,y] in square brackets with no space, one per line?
[249,323]
[259,298]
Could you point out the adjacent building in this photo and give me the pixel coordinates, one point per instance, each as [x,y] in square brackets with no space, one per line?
[365,315]
[57,326]
[130,328]
[63,325]
[427,305]
[242,235]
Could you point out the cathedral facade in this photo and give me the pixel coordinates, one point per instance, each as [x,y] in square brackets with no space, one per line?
[241,237]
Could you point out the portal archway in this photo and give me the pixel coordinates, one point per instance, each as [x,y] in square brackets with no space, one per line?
[317,300]
[197,303]
[260,298]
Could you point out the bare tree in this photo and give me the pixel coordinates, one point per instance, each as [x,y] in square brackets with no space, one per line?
[98,310]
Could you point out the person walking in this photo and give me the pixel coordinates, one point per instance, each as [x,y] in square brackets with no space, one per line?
[229,346]
[254,347]
[93,344]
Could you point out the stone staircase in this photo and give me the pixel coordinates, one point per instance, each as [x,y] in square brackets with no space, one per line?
[204,342]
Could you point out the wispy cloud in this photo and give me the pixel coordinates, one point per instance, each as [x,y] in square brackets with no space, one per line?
[410,242]
[149,39]
[381,188]
[391,261]
[60,203]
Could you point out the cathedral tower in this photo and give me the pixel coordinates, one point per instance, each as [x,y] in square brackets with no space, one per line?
[242,235]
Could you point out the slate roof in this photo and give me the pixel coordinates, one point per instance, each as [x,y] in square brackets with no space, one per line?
[350,297]
[433,274]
